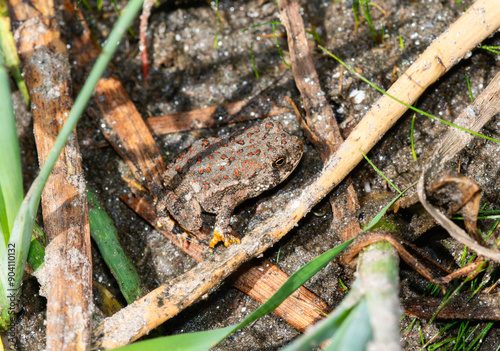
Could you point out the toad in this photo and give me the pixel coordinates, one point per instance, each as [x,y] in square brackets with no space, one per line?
[217,174]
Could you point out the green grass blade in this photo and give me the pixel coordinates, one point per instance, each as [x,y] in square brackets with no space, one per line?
[14,260]
[36,254]
[262,24]
[479,339]
[470,90]
[10,51]
[315,35]
[11,181]
[119,12]
[365,7]
[321,331]
[279,47]
[104,233]
[253,61]
[493,49]
[377,218]
[207,339]
[350,69]
[23,225]
[219,25]
[199,341]
[294,282]
[412,141]
[379,172]
[355,333]
[355,322]
[355,11]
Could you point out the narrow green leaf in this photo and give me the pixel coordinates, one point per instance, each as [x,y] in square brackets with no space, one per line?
[104,233]
[355,332]
[253,61]
[470,90]
[119,12]
[263,24]
[321,331]
[278,46]
[315,35]
[199,341]
[380,172]
[219,23]
[350,69]
[412,138]
[355,11]
[11,181]
[493,49]
[12,267]
[36,254]
[9,50]
[294,282]
[366,13]
[205,340]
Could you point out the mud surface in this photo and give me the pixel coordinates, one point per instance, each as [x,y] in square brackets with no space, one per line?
[188,71]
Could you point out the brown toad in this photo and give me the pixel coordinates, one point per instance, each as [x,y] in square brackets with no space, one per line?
[215,175]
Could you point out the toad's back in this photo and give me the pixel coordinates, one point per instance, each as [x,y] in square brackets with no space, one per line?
[218,174]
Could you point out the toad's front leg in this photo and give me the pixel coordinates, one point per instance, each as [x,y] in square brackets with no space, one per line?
[184,208]
[222,230]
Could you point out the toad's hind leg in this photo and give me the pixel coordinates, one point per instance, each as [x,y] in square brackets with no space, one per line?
[187,213]
[222,230]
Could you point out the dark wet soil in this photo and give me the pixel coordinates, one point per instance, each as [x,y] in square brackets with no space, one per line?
[189,72]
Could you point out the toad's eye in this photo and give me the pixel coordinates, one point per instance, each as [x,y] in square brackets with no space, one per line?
[278,163]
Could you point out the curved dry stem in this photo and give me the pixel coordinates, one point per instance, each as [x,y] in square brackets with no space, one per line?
[473,117]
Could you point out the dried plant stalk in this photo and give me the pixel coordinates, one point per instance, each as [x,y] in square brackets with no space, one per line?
[473,118]
[213,116]
[321,128]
